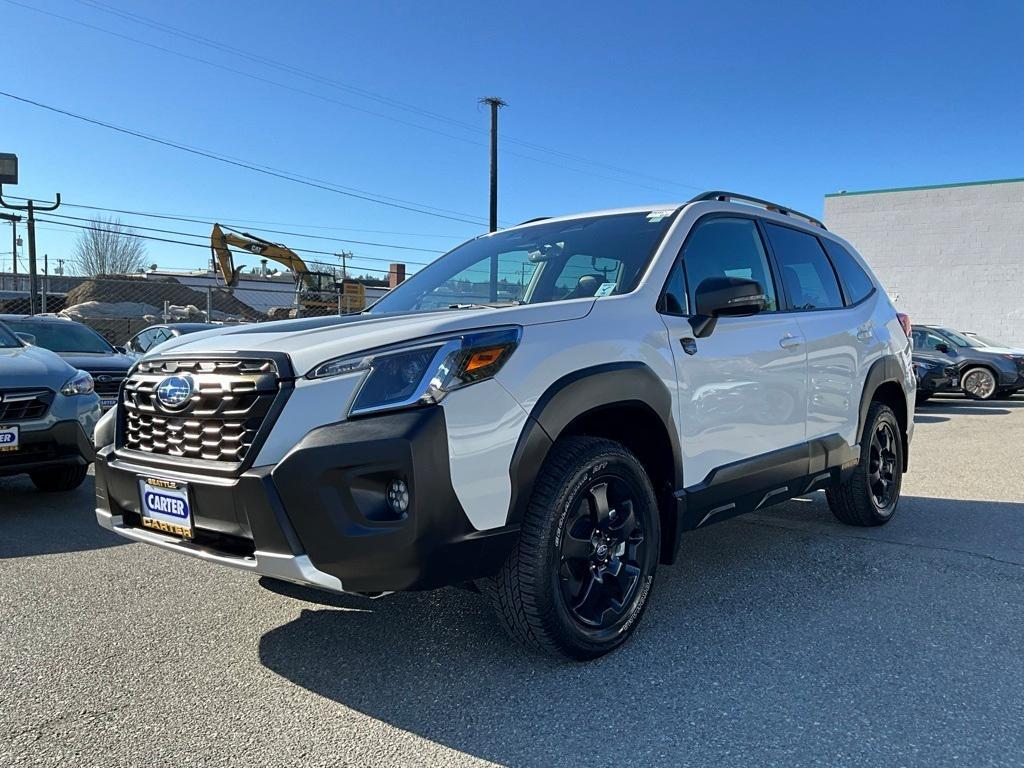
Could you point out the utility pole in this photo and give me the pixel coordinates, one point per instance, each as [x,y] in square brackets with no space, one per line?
[14,242]
[495,104]
[9,175]
[344,256]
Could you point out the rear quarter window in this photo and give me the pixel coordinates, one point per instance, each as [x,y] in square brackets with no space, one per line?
[856,283]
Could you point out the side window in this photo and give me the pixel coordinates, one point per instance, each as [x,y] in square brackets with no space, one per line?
[856,283]
[723,247]
[929,341]
[806,272]
[673,300]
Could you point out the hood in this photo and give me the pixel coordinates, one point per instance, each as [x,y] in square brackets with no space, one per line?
[933,357]
[98,361]
[999,350]
[311,341]
[30,367]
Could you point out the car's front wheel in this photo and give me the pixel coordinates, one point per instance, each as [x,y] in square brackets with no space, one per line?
[979,383]
[871,494]
[58,478]
[581,574]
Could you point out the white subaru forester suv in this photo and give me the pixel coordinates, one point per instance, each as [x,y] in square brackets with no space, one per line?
[542,412]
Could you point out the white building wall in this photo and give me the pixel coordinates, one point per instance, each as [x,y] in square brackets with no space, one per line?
[948,255]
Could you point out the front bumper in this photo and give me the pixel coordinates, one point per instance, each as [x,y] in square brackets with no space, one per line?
[62,444]
[939,380]
[320,517]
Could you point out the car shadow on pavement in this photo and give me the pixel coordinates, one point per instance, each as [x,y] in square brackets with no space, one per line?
[966,408]
[37,523]
[781,635]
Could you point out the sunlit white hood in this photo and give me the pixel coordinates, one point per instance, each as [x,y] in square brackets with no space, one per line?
[310,341]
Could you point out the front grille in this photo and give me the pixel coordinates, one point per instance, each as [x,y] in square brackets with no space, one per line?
[229,405]
[24,405]
[107,383]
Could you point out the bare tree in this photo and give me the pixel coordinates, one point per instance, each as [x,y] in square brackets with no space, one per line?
[108,247]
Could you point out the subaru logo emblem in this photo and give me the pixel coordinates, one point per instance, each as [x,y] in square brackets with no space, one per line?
[175,391]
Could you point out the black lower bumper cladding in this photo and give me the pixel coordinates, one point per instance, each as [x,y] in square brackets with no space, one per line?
[327,500]
[63,444]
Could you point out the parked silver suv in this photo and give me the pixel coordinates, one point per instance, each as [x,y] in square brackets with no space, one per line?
[48,411]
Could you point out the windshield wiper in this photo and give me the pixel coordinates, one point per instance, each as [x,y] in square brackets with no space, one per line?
[488,305]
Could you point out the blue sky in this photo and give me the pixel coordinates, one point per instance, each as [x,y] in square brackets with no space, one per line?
[787,101]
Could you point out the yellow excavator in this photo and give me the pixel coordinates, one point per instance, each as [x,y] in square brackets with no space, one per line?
[315,292]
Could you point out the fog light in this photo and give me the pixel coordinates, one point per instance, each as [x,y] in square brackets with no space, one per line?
[398,496]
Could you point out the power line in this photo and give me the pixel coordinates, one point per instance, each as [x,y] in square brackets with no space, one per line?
[197,219]
[368,94]
[275,231]
[207,239]
[266,170]
[177,242]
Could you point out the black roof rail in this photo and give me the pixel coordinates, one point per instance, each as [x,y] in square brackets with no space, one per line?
[530,221]
[767,205]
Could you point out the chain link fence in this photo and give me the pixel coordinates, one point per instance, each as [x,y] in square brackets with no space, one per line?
[119,306]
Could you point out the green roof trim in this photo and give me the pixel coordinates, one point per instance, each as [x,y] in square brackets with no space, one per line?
[928,186]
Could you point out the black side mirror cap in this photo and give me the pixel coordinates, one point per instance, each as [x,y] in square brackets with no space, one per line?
[725,297]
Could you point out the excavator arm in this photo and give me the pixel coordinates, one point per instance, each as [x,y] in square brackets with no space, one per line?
[220,240]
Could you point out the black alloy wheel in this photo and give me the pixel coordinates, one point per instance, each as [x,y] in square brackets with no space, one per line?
[883,466]
[602,553]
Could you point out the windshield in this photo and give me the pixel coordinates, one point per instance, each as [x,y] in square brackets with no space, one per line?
[62,336]
[7,339]
[960,341]
[985,342]
[569,259]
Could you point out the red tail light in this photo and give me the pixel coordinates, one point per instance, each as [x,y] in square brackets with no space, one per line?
[904,319]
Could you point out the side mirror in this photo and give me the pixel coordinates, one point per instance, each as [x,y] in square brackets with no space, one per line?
[725,297]
[121,350]
[942,347]
[28,338]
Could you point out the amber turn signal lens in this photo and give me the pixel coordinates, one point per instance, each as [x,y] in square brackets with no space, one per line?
[482,358]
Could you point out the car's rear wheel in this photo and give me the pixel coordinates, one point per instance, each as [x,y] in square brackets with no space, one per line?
[871,494]
[58,478]
[581,575]
[979,383]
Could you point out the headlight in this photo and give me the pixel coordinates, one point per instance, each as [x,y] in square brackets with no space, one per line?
[79,384]
[424,373]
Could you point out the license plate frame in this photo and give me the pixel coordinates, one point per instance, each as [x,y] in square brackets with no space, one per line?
[10,438]
[165,506]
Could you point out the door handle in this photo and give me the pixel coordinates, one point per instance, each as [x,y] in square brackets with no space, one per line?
[789,341]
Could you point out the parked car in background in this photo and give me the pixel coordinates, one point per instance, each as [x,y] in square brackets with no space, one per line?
[48,411]
[986,372]
[935,372]
[987,343]
[146,339]
[80,346]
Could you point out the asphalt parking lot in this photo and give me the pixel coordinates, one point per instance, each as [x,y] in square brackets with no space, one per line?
[783,639]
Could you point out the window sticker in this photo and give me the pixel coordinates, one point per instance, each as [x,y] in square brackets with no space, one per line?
[605,289]
[655,216]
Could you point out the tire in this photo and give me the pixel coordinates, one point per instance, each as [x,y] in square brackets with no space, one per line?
[580,576]
[1005,393]
[58,478]
[922,397]
[872,493]
[979,383]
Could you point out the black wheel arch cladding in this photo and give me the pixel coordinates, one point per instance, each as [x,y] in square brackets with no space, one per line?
[591,391]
